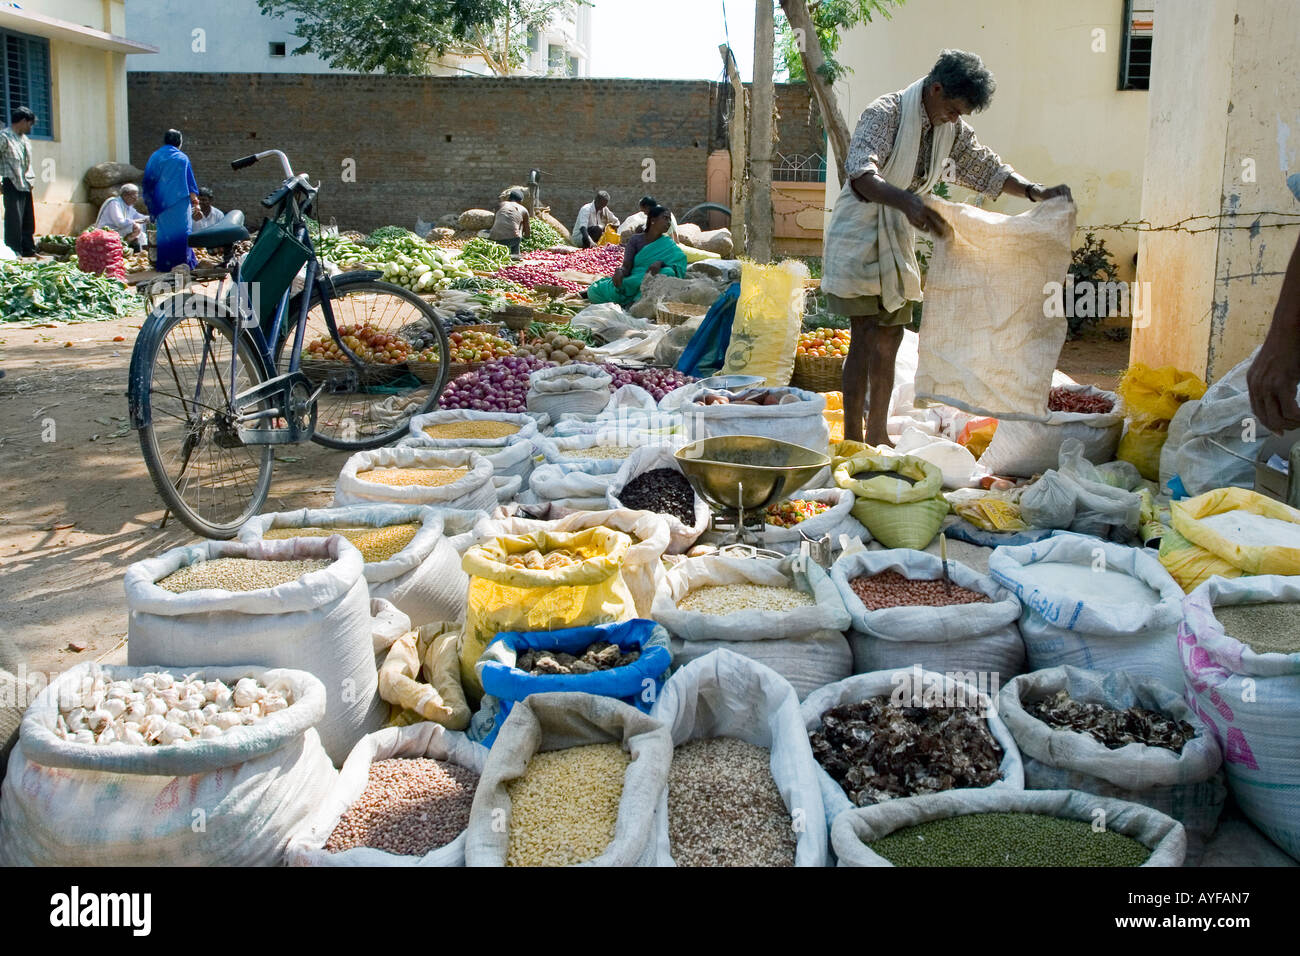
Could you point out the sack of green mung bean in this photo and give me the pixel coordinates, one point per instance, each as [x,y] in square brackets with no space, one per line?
[230,799]
[915,687]
[1240,646]
[584,801]
[422,578]
[642,567]
[417,476]
[427,827]
[784,613]
[724,694]
[969,626]
[1094,604]
[314,616]
[1186,783]
[899,498]
[1006,828]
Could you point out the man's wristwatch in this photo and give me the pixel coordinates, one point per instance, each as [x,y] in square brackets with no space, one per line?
[1029,191]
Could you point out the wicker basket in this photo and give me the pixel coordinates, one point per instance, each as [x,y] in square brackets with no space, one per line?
[552,317]
[675,313]
[515,317]
[818,373]
[427,372]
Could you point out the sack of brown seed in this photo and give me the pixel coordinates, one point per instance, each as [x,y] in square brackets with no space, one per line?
[1184,783]
[422,827]
[916,620]
[726,695]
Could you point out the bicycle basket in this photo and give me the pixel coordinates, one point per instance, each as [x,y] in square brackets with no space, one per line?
[273,262]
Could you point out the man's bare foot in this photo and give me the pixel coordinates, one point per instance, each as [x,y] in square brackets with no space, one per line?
[880,442]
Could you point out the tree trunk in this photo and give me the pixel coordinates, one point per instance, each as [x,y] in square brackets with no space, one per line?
[810,52]
[739,153]
[759,246]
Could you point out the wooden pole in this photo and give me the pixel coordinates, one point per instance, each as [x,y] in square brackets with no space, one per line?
[810,51]
[739,151]
[759,246]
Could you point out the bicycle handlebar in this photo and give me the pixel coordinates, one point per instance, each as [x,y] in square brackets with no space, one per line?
[247,161]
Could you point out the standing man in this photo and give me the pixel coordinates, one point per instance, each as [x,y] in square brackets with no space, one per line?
[172,195]
[17,177]
[207,214]
[904,143]
[511,222]
[1274,378]
[592,220]
[120,215]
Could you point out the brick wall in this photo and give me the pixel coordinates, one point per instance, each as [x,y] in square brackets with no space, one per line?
[427,146]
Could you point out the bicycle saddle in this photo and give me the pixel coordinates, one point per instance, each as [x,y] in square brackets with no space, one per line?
[225,233]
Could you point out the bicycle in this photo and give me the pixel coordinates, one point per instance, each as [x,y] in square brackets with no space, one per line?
[218,381]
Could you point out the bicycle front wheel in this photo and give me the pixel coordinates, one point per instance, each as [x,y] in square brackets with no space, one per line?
[208,478]
[370,406]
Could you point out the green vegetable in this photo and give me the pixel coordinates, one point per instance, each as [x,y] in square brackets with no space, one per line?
[485,255]
[543,237]
[385,234]
[60,292]
[538,330]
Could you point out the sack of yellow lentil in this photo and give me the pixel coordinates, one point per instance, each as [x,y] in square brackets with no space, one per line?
[504,597]
[572,779]
[409,559]
[417,476]
[900,512]
[453,428]
[784,613]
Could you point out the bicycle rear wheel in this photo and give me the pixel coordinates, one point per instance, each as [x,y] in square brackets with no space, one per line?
[372,406]
[208,478]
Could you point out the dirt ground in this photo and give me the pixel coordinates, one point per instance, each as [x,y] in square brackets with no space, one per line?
[77,505]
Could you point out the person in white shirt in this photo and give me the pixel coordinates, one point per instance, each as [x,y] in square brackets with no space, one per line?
[207,214]
[120,215]
[637,221]
[592,220]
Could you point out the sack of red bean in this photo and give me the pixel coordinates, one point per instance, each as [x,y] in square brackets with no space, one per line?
[99,251]
[1090,414]
[904,613]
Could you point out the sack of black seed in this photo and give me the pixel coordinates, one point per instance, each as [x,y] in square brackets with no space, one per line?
[650,480]
[1119,736]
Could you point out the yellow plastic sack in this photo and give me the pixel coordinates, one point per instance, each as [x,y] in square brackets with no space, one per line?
[1141,443]
[769,316]
[898,514]
[609,237]
[834,415]
[1189,564]
[1157,392]
[505,598]
[843,450]
[421,678]
[991,514]
[1188,519]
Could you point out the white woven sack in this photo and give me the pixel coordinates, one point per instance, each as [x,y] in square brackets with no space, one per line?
[799,423]
[983,638]
[1208,447]
[424,580]
[680,536]
[426,739]
[574,389]
[907,682]
[416,436]
[1076,624]
[621,420]
[543,722]
[1186,786]
[69,804]
[1027,448]
[728,695]
[854,829]
[1250,702]
[387,625]
[574,479]
[643,569]
[983,295]
[569,449]
[806,645]
[319,623]
[506,488]
[474,491]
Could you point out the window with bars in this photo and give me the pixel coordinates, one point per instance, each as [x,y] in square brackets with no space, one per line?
[1135,55]
[25,79]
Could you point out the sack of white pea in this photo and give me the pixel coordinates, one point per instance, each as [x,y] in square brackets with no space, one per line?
[301,603]
[387,812]
[969,626]
[784,613]
[725,695]
[573,779]
[1240,647]
[1094,604]
[1186,784]
[409,559]
[133,766]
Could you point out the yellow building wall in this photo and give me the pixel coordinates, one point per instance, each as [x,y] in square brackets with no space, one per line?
[1225,109]
[1057,115]
[90,118]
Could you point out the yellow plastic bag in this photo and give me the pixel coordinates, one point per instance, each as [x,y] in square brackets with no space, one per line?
[1189,521]
[769,315]
[1157,392]
[834,415]
[991,514]
[977,435]
[1189,564]
[421,678]
[609,237]
[1141,443]
[898,513]
[843,450]
[506,598]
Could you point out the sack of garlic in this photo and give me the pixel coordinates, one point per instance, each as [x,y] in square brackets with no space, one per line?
[130,766]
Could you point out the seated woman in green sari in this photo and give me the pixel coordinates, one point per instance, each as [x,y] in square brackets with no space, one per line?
[649,253]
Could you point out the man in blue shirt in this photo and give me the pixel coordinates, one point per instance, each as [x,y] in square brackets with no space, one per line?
[171,193]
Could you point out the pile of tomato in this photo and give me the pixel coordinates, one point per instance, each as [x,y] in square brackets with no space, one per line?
[366,342]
